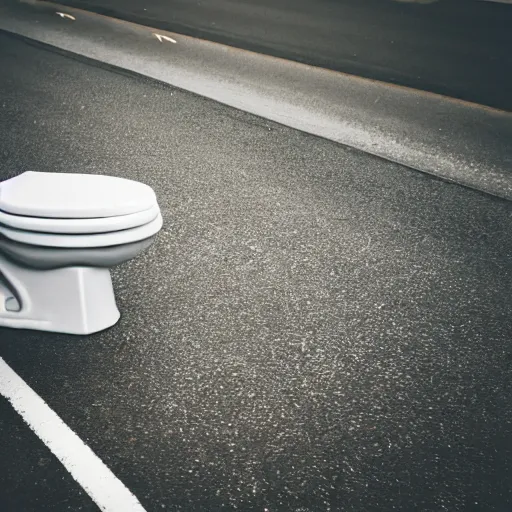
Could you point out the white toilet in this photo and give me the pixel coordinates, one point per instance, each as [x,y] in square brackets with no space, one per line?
[59,234]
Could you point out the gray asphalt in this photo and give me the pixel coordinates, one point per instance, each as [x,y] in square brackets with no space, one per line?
[314,329]
[31,478]
[460,49]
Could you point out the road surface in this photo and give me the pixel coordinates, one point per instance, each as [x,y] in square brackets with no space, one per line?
[460,49]
[314,329]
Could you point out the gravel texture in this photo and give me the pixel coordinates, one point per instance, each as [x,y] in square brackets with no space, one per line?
[314,329]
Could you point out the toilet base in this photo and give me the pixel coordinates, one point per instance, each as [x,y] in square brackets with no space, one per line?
[73,300]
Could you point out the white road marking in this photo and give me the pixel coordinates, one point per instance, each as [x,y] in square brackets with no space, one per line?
[64,15]
[160,37]
[109,493]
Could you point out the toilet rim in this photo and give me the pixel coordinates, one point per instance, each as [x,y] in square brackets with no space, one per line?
[80,225]
[83,241]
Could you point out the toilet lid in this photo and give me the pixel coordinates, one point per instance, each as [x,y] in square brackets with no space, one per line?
[79,226]
[125,236]
[73,196]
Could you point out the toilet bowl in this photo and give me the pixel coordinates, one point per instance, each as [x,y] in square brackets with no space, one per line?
[59,235]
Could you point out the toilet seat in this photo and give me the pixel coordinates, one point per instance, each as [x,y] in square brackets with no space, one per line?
[77,210]
[78,226]
[73,196]
[84,241]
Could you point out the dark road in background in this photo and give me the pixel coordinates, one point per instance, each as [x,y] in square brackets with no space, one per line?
[458,48]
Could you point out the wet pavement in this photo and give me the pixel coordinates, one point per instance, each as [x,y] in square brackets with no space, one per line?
[314,328]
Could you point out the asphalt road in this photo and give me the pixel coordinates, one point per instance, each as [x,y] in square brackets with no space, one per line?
[314,329]
[457,48]
[31,478]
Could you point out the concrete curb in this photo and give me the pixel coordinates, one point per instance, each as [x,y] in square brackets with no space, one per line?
[454,140]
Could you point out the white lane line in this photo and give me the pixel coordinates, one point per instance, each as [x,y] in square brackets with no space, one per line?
[68,16]
[161,38]
[109,493]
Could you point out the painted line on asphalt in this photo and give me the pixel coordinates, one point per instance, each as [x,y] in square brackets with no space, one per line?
[105,489]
